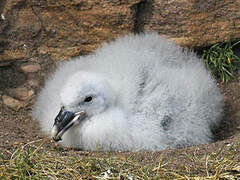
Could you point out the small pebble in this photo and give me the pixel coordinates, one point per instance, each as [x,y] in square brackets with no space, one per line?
[33,83]
[21,93]
[30,68]
[12,103]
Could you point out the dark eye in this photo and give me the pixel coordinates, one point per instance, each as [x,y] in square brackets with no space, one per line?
[88,99]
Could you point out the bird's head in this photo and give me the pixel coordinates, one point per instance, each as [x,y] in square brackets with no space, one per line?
[83,95]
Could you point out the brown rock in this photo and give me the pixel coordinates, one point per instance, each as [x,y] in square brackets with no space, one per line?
[34,83]
[21,93]
[30,67]
[80,27]
[12,103]
[19,26]
[192,23]
[63,29]
[10,55]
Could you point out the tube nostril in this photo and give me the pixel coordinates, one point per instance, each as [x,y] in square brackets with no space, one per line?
[64,117]
[63,121]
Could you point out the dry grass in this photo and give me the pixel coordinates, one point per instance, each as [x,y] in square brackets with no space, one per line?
[36,160]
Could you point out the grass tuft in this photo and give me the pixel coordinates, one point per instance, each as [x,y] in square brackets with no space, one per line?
[36,161]
[221,60]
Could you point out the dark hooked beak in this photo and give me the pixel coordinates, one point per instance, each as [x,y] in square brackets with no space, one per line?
[63,121]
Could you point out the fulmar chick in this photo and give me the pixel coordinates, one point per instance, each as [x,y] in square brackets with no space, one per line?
[140,92]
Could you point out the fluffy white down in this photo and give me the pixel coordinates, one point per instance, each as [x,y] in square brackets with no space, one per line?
[156,95]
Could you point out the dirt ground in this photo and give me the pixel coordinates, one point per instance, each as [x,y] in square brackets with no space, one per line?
[18,126]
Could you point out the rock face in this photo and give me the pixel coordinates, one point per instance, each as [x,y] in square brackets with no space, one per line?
[65,28]
[192,23]
[61,28]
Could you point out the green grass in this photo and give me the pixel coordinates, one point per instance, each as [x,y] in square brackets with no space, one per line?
[221,60]
[35,161]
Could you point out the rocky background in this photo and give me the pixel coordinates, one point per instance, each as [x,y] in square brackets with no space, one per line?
[65,28]
[34,34]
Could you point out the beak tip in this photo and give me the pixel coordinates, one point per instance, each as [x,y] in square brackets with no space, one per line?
[63,121]
[56,139]
[54,134]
